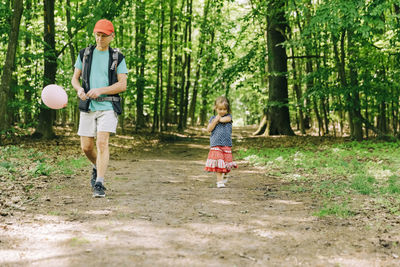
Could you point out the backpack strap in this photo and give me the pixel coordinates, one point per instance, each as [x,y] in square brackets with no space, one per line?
[85,67]
[115,59]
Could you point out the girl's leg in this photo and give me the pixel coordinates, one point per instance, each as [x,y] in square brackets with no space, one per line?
[219,176]
[220,182]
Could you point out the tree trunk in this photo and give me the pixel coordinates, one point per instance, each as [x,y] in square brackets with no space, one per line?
[158,96]
[9,64]
[298,93]
[171,55]
[183,96]
[192,108]
[141,44]
[340,66]
[46,116]
[355,107]
[318,116]
[278,119]
[177,69]
[205,89]
[189,59]
[28,92]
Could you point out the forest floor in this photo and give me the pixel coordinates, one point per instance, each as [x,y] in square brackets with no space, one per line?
[163,209]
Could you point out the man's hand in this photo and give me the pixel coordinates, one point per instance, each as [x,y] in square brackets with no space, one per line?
[81,94]
[93,93]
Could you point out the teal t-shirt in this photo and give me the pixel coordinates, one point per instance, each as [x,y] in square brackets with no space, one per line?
[99,75]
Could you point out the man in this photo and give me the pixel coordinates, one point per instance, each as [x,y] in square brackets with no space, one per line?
[104,75]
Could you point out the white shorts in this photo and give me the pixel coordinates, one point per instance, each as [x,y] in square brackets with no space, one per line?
[97,121]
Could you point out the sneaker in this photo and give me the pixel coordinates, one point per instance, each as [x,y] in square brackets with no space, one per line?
[94,176]
[225,178]
[98,190]
[220,184]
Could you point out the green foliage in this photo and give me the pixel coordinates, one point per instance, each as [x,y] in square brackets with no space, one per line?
[68,166]
[17,162]
[334,173]
[229,48]
[339,210]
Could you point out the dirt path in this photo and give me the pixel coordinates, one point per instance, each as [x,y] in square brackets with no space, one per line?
[162,209]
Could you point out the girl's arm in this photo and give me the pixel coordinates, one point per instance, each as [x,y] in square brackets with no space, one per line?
[213,123]
[226,119]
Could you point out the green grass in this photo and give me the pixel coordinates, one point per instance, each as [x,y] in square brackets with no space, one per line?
[68,166]
[331,173]
[339,210]
[21,163]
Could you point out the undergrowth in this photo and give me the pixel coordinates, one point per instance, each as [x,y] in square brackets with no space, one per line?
[336,174]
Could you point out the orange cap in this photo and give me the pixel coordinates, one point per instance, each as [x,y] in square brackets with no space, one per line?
[104,26]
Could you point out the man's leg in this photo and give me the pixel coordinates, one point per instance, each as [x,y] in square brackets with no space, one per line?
[103,153]
[103,156]
[87,145]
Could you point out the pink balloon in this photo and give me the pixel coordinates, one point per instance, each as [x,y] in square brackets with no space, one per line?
[54,96]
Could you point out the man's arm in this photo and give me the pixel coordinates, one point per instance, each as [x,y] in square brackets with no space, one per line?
[116,88]
[77,85]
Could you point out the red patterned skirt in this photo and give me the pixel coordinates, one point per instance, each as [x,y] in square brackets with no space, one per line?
[220,159]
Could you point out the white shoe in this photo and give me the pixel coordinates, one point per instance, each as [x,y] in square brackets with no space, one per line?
[220,184]
[226,178]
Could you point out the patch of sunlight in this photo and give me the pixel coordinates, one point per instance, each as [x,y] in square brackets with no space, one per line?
[99,212]
[269,220]
[124,137]
[201,177]
[47,218]
[10,254]
[353,261]
[251,158]
[77,241]
[287,202]
[269,233]
[295,176]
[250,171]
[216,229]
[42,242]
[119,145]
[298,156]
[223,202]
[337,150]
[380,174]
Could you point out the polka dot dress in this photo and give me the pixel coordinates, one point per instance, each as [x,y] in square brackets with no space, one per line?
[220,156]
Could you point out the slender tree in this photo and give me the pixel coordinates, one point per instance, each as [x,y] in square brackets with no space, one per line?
[168,97]
[9,64]
[141,44]
[46,116]
[202,39]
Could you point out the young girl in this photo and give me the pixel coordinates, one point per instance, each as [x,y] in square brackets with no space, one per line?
[220,156]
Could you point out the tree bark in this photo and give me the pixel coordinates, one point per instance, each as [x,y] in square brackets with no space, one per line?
[189,59]
[141,44]
[298,92]
[9,64]
[158,96]
[171,55]
[355,107]
[205,89]
[183,96]
[46,115]
[278,119]
[192,108]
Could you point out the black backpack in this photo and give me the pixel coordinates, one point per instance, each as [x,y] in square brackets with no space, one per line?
[116,57]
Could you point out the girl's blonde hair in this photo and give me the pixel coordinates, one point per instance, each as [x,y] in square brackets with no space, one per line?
[224,101]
